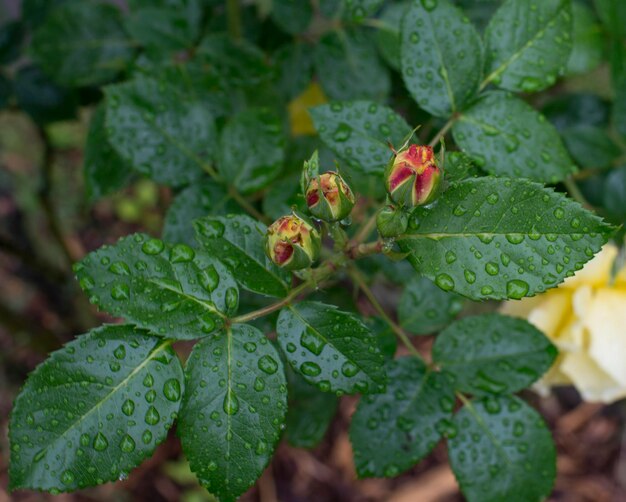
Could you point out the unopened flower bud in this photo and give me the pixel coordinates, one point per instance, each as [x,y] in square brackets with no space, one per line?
[328,197]
[391,221]
[412,176]
[292,243]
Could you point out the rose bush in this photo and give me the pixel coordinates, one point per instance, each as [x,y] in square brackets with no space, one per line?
[426,153]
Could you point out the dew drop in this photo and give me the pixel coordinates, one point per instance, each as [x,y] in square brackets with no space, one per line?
[181,253]
[445,282]
[153,246]
[152,416]
[120,292]
[231,403]
[311,369]
[516,289]
[67,478]
[268,365]
[100,442]
[127,444]
[312,341]
[128,407]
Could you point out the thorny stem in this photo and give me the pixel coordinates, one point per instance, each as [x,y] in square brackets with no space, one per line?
[378,24]
[245,204]
[318,275]
[463,399]
[444,130]
[255,314]
[575,192]
[357,277]
[365,230]
[235,195]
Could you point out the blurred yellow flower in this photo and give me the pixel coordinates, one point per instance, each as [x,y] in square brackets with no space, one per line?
[586,319]
[299,118]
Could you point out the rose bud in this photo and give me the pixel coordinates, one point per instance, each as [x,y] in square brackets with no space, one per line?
[391,221]
[412,176]
[292,243]
[328,197]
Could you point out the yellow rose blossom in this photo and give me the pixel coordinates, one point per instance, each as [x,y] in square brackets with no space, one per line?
[299,118]
[586,319]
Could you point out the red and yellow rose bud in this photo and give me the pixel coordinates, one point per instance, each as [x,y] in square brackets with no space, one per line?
[391,221]
[292,243]
[412,177]
[328,197]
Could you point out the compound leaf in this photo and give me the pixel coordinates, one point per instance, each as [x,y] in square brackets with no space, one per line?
[237,241]
[502,451]
[441,56]
[393,431]
[528,45]
[495,238]
[331,348]
[172,290]
[94,410]
[233,410]
[493,354]
[507,137]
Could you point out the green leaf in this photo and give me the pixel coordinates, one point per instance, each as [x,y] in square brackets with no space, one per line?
[348,67]
[527,46]
[82,43]
[441,56]
[573,110]
[237,241]
[35,12]
[507,137]
[493,354]
[500,238]
[459,166]
[310,412]
[386,338]
[359,132]
[425,309]
[203,198]
[358,10]
[94,410]
[591,147]
[252,149]
[388,37]
[503,451]
[282,196]
[393,431]
[105,171]
[11,40]
[165,29]
[612,13]
[171,290]
[619,105]
[194,80]
[41,98]
[293,16]
[160,130]
[239,63]
[588,42]
[331,348]
[479,12]
[233,410]
[294,68]
[614,193]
